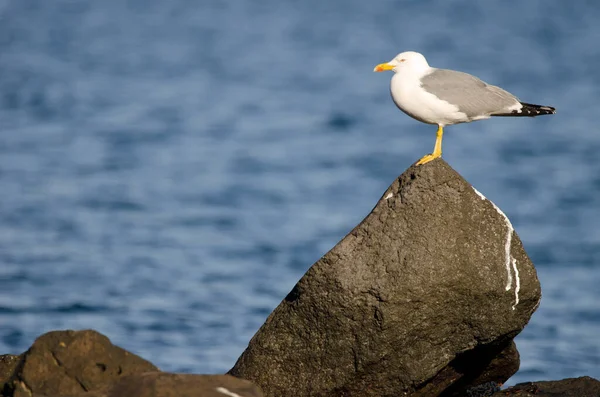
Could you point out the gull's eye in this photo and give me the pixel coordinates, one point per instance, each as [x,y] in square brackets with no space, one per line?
[402,60]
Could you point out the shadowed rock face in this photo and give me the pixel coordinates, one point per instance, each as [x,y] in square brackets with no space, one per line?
[420,298]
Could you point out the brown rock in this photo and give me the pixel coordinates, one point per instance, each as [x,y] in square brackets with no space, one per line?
[8,365]
[161,384]
[62,363]
[572,387]
[424,281]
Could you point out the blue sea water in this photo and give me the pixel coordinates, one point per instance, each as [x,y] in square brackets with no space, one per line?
[170,169]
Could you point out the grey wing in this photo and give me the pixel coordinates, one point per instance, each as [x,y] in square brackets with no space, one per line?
[471,95]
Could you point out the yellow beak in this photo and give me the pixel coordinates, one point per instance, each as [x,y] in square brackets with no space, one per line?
[382,67]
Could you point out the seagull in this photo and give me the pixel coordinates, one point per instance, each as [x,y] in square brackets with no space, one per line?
[445,97]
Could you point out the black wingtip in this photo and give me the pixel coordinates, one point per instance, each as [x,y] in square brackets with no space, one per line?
[532,110]
[528,110]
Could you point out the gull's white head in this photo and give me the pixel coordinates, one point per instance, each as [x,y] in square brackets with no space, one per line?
[405,61]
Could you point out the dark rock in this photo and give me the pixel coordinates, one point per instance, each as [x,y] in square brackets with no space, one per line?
[62,363]
[572,387]
[483,390]
[161,384]
[411,302]
[475,372]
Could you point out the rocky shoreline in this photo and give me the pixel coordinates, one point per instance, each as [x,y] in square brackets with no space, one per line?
[86,364]
[423,298]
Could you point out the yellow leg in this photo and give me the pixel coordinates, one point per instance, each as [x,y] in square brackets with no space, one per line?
[437,150]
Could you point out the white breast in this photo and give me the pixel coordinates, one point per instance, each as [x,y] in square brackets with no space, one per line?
[413,100]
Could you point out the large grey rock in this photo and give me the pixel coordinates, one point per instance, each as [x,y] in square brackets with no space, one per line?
[433,280]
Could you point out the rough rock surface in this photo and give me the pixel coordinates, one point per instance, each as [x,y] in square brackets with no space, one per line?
[573,387]
[162,384]
[8,365]
[61,363]
[86,364]
[418,298]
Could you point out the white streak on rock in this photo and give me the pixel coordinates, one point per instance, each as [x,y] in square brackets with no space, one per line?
[517,282]
[507,256]
[389,196]
[477,192]
[227,392]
